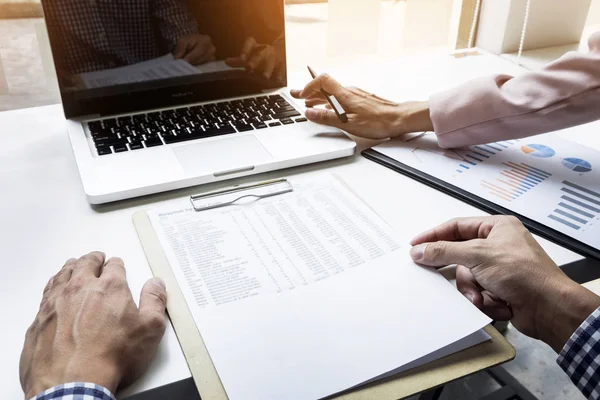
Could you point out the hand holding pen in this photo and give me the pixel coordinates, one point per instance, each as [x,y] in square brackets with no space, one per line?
[367,115]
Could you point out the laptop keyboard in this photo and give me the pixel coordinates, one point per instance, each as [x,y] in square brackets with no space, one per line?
[136,132]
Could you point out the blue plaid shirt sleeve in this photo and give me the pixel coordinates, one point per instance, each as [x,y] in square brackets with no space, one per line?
[580,358]
[76,391]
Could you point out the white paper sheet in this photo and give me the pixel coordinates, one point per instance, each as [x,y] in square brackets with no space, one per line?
[546,178]
[159,68]
[307,294]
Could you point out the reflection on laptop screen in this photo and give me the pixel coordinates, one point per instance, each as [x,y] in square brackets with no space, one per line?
[107,47]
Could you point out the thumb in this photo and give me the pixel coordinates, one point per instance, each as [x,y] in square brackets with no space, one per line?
[323,117]
[442,253]
[153,300]
[180,49]
[235,62]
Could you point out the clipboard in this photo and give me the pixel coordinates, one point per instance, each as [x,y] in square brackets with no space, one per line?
[482,356]
[490,207]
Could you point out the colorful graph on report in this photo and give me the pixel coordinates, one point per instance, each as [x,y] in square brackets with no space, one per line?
[480,153]
[515,180]
[578,206]
[538,150]
[577,164]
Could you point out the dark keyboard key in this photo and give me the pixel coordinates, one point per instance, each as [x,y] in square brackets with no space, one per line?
[259,125]
[136,146]
[178,139]
[111,142]
[301,119]
[95,126]
[275,124]
[214,131]
[153,142]
[286,114]
[104,136]
[120,148]
[283,106]
[109,123]
[124,121]
[286,121]
[244,128]
[104,151]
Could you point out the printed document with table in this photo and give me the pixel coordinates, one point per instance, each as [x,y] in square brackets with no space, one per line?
[308,286]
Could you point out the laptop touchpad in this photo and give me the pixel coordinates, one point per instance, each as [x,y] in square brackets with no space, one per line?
[222,155]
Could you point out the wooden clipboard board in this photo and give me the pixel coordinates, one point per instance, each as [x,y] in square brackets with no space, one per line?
[482,356]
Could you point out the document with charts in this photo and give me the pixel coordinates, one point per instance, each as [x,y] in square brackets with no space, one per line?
[548,179]
[309,293]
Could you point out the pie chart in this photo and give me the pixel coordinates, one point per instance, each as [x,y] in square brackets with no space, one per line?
[538,150]
[577,164]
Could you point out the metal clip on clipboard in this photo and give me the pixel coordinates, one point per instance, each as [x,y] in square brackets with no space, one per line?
[229,196]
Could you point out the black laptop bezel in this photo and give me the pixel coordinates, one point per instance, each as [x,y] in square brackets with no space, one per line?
[126,99]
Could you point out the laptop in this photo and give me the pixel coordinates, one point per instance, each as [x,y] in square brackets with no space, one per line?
[165,94]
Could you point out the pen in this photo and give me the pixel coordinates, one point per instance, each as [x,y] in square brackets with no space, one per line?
[335,104]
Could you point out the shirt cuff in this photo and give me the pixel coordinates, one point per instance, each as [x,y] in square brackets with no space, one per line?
[76,390]
[580,358]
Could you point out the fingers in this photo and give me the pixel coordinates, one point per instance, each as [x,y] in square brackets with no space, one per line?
[323,117]
[180,48]
[89,265]
[65,273]
[467,285]
[235,62]
[201,54]
[495,308]
[58,280]
[247,49]
[487,302]
[316,102]
[270,65]
[443,253]
[327,83]
[153,299]
[256,59]
[295,93]
[458,229]
[200,51]
[114,267]
[315,96]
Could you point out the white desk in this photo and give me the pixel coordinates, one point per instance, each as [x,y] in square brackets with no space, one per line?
[45,218]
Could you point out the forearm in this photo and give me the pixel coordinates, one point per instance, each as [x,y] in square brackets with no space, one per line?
[174,20]
[563,94]
[579,356]
[568,305]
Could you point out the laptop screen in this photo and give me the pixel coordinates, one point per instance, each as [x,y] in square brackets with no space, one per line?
[117,56]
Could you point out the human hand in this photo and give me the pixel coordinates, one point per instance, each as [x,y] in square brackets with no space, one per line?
[260,58]
[369,116]
[88,328]
[195,48]
[504,272]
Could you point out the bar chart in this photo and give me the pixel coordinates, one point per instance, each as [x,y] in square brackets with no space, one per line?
[578,206]
[547,179]
[480,153]
[515,180]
